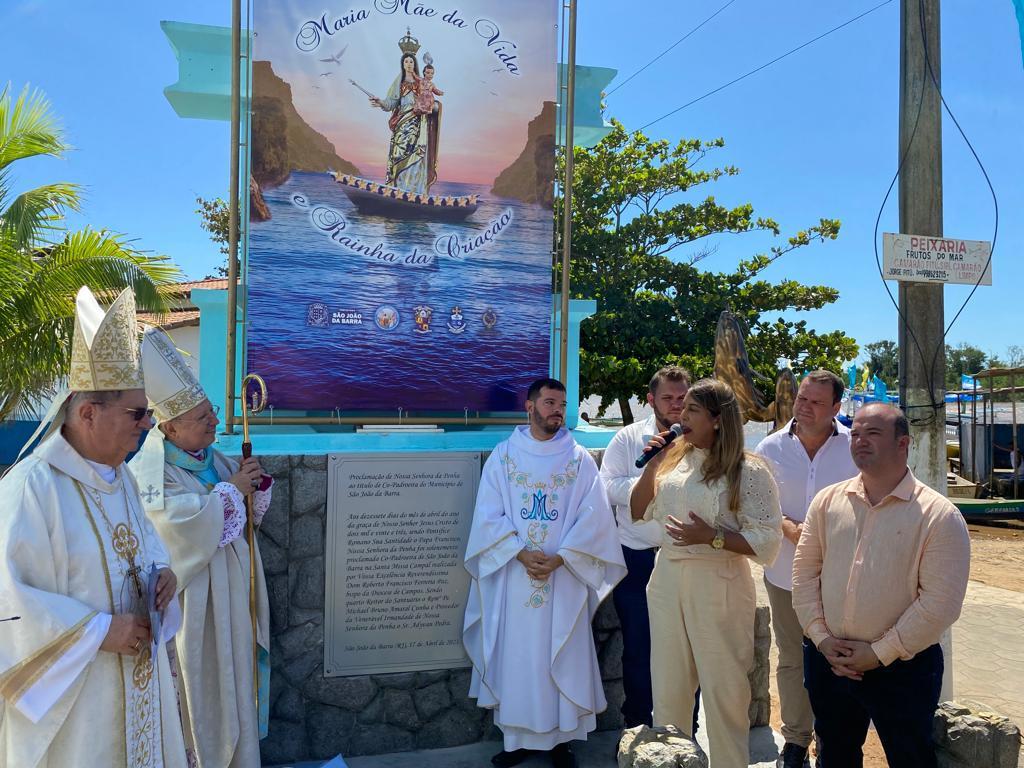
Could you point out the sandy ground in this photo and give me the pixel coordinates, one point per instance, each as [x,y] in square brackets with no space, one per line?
[997,559]
[997,555]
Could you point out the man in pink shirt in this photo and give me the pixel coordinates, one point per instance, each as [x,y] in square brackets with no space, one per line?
[880,572]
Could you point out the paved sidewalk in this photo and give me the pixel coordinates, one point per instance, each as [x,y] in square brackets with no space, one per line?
[988,668]
[988,650]
[597,752]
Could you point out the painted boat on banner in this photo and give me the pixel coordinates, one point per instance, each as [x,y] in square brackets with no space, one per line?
[384,200]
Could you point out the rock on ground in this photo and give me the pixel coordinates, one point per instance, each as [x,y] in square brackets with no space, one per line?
[661,747]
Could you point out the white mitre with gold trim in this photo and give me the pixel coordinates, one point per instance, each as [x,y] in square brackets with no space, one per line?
[105,347]
[104,357]
[171,385]
[173,389]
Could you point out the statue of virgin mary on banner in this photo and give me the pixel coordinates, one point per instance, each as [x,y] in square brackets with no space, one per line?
[412,151]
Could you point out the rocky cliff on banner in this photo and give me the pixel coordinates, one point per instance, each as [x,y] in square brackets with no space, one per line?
[282,141]
[529,178]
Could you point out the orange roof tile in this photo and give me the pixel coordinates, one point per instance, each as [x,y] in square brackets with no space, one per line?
[213,283]
[170,320]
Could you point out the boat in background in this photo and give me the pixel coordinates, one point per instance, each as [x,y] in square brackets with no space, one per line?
[984,453]
[986,510]
[376,199]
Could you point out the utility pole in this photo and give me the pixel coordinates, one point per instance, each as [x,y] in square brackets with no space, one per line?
[922,323]
[922,364]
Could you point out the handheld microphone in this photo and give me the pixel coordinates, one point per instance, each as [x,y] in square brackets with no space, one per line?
[674,431]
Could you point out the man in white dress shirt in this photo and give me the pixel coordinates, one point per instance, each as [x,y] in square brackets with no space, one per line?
[810,452]
[619,472]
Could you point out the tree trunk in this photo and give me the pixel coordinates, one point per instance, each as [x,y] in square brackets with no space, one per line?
[627,412]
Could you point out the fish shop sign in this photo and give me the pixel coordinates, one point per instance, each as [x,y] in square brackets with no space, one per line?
[925,259]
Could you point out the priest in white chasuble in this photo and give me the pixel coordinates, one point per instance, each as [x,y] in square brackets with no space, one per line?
[542,553]
[195,496]
[83,681]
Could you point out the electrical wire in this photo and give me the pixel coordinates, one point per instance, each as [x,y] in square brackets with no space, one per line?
[981,167]
[930,369]
[677,42]
[766,65]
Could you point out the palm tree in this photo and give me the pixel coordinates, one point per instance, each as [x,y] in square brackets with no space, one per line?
[42,264]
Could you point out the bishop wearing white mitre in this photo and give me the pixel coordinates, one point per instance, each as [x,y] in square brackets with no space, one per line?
[195,497]
[81,681]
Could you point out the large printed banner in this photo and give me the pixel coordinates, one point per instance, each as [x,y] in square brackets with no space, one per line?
[401,204]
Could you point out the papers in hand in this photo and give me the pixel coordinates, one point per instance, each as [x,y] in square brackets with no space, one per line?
[155,616]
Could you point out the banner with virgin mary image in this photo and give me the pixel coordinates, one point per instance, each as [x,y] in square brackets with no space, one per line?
[401,198]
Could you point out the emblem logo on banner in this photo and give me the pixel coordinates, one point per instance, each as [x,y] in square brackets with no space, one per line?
[422,315]
[489,318]
[316,315]
[402,152]
[456,324]
[386,318]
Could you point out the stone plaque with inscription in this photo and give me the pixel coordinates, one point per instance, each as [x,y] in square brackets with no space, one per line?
[397,526]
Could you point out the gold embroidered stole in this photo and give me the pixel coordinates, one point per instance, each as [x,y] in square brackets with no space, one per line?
[140,697]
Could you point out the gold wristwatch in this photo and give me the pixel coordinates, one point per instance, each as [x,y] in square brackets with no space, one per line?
[719,541]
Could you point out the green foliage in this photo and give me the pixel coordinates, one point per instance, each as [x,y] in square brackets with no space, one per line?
[634,207]
[884,361]
[964,358]
[961,359]
[1014,357]
[214,218]
[42,265]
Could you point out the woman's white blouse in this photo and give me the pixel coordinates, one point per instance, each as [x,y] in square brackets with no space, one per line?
[759,519]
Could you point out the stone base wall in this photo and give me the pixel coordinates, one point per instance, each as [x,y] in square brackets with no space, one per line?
[313,717]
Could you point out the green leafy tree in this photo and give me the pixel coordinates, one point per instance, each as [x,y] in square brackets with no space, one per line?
[214,218]
[884,361]
[42,264]
[213,215]
[961,359]
[992,360]
[637,232]
[1014,356]
[1014,359]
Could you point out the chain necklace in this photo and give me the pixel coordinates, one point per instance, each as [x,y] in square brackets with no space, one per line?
[125,543]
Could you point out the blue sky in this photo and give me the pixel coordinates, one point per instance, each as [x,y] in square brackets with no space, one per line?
[814,135]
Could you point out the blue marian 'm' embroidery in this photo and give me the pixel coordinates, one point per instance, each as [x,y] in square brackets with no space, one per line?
[540,509]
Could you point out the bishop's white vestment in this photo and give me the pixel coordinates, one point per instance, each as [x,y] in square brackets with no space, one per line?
[530,641]
[68,539]
[202,520]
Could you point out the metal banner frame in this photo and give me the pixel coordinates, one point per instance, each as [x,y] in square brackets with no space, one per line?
[238,208]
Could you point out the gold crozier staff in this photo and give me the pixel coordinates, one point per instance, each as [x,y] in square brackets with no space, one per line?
[253,406]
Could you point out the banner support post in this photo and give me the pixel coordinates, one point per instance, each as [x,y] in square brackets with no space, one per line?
[570,106]
[233,188]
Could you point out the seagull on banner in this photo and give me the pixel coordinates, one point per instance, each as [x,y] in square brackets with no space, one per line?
[336,58]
